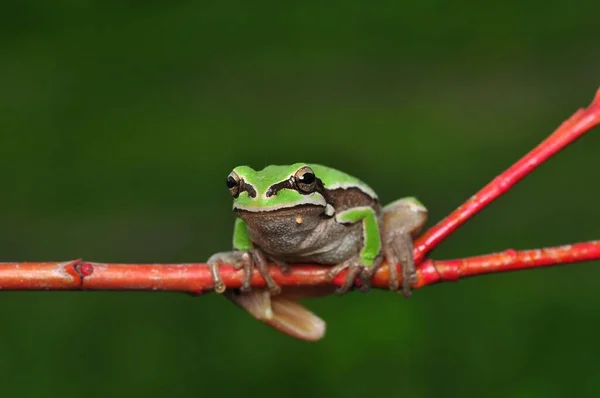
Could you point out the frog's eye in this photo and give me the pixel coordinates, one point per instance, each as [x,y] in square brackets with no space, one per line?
[233,183]
[306,180]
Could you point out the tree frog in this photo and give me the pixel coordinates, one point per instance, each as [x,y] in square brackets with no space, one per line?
[309,213]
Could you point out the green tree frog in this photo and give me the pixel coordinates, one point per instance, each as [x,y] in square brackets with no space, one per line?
[309,213]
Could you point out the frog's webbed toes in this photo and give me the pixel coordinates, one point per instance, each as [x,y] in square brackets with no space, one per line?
[237,259]
[262,265]
[365,278]
[246,261]
[247,264]
[403,220]
[215,261]
[354,267]
[218,284]
[400,251]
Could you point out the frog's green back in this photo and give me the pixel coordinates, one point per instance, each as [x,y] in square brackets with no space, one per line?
[335,179]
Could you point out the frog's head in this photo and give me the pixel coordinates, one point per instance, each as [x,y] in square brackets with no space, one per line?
[275,187]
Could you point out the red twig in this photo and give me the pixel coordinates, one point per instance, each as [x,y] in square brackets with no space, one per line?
[195,278]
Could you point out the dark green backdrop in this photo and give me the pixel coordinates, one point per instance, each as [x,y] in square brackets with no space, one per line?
[121,119]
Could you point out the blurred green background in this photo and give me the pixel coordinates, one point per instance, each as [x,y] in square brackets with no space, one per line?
[121,119]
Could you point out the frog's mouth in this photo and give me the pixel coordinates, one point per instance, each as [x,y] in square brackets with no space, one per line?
[259,207]
[295,211]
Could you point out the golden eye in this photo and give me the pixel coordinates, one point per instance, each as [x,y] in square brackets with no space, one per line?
[233,183]
[306,181]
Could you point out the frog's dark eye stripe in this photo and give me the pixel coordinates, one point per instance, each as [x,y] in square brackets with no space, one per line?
[248,188]
[287,184]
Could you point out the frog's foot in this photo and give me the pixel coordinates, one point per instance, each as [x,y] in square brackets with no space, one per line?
[355,269]
[400,251]
[283,312]
[260,260]
[238,259]
[245,260]
[402,221]
[365,278]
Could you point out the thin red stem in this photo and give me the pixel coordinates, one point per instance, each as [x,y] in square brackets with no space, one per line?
[568,132]
[509,260]
[196,278]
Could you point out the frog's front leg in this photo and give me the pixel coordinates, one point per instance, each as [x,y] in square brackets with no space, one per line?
[402,221]
[245,256]
[367,260]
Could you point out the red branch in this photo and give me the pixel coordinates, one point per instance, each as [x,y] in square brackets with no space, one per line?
[196,278]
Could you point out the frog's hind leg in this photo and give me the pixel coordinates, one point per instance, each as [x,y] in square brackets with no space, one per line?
[402,221]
